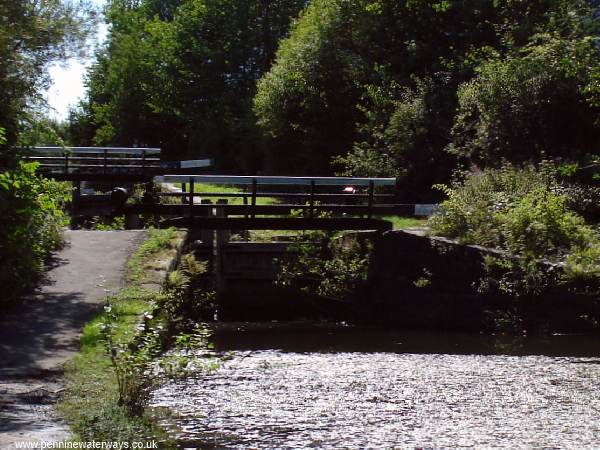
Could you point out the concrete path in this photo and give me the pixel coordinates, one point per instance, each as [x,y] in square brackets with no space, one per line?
[39,337]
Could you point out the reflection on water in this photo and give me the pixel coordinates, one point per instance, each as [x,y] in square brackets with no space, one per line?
[307,337]
[332,388]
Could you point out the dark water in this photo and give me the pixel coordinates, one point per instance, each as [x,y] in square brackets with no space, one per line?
[299,387]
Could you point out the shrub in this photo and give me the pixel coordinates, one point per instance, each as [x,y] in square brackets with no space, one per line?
[584,264]
[328,265]
[526,213]
[471,212]
[32,217]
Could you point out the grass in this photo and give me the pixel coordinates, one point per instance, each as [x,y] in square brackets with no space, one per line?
[91,400]
[149,255]
[401,223]
[90,403]
[220,189]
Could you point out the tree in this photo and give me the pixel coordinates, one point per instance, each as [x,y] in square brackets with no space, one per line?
[183,74]
[530,105]
[32,35]
[340,52]
[375,84]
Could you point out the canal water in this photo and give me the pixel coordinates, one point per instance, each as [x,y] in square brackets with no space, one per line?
[299,386]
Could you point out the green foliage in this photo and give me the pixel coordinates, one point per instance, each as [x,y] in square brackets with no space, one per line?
[182,75]
[530,105]
[99,397]
[122,351]
[380,87]
[32,35]
[32,211]
[523,213]
[470,214]
[37,130]
[354,62]
[584,264]
[117,223]
[403,138]
[376,85]
[159,240]
[129,362]
[295,103]
[327,264]
[540,225]
[191,297]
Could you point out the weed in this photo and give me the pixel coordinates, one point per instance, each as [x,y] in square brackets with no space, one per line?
[106,386]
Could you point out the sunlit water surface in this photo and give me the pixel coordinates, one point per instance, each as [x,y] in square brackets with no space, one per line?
[372,388]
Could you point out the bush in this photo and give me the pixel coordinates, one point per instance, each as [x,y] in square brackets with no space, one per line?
[471,212]
[328,265]
[32,217]
[525,213]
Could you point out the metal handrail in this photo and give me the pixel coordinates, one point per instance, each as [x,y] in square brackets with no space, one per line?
[99,150]
[271,180]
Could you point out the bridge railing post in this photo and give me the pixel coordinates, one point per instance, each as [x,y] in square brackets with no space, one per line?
[371,198]
[311,209]
[191,200]
[253,200]
[105,160]
[66,163]
[207,236]
[143,160]
[245,199]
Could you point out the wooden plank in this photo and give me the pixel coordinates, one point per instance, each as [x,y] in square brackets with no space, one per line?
[268,180]
[277,223]
[240,210]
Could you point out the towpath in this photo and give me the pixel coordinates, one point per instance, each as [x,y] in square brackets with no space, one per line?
[39,337]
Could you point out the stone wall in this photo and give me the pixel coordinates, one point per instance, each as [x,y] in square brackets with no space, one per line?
[432,282]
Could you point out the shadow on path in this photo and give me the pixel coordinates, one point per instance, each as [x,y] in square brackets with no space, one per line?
[39,336]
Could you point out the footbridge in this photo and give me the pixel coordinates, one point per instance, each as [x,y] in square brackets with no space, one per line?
[278,203]
[119,164]
[175,194]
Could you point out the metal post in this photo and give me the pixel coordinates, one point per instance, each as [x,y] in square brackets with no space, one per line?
[191,197]
[183,190]
[245,200]
[143,160]
[371,197]
[105,160]
[311,210]
[253,200]
[66,163]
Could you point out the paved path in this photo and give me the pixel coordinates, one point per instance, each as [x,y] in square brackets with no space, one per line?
[38,338]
